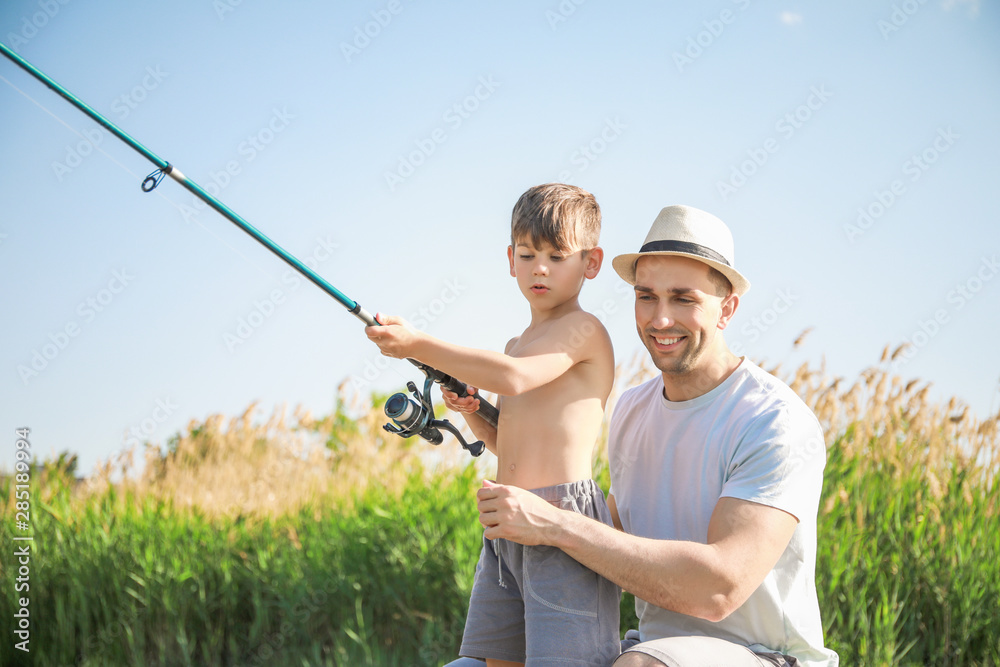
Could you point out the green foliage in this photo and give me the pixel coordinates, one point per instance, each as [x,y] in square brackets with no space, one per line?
[907,575]
[129,581]
[908,572]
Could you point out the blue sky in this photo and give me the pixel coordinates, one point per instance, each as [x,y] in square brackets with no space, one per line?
[851,147]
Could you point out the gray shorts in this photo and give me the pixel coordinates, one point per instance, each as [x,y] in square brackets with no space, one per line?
[702,652]
[539,606]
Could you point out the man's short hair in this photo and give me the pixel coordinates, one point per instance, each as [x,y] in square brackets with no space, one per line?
[721,283]
[564,216]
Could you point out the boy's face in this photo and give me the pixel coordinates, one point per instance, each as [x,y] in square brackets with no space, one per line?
[548,277]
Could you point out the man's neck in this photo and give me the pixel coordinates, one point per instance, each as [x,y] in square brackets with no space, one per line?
[709,374]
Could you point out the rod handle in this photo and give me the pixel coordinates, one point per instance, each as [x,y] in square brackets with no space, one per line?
[488,411]
[363,315]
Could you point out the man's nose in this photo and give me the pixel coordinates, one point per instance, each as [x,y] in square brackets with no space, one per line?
[662,318]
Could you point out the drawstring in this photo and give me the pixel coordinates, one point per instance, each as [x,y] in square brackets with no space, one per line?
[496,549]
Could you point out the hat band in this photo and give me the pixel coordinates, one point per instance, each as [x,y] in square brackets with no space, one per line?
[684,247]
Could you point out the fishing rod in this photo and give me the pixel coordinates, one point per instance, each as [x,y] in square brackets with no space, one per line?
[409,417]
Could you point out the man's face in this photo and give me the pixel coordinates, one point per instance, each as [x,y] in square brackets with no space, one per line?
[678,314]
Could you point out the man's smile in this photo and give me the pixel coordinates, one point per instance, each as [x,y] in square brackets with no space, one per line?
[665,343]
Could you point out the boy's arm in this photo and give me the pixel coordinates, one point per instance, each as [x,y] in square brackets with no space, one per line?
[468,406]
[567,342]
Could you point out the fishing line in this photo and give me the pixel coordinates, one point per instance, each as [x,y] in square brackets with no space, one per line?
[134,175]
[155,177]
[409,416]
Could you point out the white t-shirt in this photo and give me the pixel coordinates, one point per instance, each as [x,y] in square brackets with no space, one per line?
[750,438]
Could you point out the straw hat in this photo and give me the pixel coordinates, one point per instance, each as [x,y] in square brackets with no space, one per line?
[687,232]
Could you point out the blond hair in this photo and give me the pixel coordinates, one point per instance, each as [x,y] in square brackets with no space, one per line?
[564,216]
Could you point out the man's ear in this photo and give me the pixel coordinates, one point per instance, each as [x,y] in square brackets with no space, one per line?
[510,258]
[729,306]
[594,259]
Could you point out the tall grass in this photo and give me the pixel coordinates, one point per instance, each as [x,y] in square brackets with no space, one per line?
[295,540]
[247,543]
[908,568]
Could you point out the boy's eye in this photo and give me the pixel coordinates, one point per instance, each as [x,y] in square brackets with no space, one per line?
[557,258]
[526,256]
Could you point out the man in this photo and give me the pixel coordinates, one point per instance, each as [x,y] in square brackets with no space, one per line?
[716,471]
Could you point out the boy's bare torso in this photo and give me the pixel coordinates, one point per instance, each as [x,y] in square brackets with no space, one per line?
[546,436]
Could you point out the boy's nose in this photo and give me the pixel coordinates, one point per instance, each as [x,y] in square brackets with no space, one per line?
[540,269]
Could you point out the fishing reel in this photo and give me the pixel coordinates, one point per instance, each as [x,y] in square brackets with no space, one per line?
[416,417]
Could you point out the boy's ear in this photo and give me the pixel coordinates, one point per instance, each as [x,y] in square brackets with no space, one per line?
[510,258]
[595,257]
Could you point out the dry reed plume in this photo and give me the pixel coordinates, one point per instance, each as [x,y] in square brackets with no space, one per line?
[238,466]
[242,467]
[889,422]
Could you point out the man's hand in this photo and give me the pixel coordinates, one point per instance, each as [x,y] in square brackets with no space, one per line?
[395,338]
[515,514]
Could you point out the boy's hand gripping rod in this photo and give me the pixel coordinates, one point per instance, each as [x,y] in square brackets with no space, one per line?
[410,418]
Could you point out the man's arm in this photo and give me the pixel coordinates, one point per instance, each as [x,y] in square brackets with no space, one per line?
[537,364]
[708,581]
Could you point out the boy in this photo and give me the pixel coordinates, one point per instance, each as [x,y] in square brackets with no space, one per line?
[552,381]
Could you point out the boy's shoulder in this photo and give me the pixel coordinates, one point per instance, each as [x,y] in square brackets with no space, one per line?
[576,315]
[575,322]
[581,320]
[579,330]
